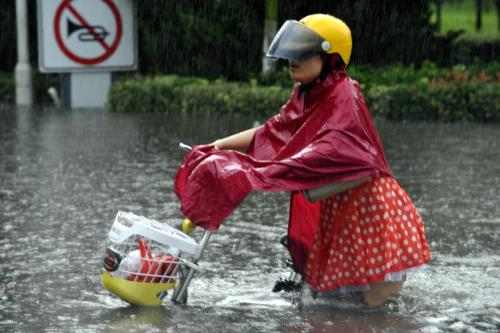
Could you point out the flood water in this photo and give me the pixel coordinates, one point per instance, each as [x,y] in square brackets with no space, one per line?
[65,174]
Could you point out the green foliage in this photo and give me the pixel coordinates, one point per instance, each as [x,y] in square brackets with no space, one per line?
[371,76]
[41,83]
[484,103]
[223,39]
[206,38]
[401,102]
[461,15]
[7,88]
[449,95]
[281,77]
[444,101]
[175,94]
[459,18]
[468,48]
[460,93]
[384,32]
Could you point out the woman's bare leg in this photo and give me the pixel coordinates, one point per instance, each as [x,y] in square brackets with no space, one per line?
[380,292]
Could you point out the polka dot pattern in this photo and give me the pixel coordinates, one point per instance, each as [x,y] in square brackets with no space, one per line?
[364,234]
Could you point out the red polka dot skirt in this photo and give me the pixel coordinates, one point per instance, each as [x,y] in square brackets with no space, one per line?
[369,234]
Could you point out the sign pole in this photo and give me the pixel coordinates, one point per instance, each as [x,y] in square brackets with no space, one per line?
[89,89]
[24,94]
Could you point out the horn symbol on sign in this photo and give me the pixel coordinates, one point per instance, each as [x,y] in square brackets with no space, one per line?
[98,32]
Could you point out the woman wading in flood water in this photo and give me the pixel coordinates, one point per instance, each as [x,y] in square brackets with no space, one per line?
[363,238]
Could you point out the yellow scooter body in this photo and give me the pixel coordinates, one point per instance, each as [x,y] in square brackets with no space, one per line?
[137,293]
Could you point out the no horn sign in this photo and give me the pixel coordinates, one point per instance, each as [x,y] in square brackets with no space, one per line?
[86,35]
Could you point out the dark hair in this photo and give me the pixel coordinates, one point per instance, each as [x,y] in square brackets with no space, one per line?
[330,63]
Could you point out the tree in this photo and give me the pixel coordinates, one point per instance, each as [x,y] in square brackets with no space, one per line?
[497,4]
[384,31]
[209,38]
[439,6]
[479,16]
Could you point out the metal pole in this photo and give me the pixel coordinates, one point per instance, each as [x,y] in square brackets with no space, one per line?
[23,69]
[177,297]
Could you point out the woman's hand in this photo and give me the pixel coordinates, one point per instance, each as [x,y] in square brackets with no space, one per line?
[216,143]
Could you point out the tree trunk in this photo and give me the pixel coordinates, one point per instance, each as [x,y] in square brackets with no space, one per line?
[270,28]
[479,16]
[497,3]
[438,14]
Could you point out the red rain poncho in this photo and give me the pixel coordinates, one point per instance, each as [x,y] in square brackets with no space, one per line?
[321,136]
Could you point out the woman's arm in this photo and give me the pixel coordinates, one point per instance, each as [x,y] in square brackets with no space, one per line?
[239,141]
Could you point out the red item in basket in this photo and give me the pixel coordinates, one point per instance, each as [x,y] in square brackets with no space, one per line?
[146,259]
[162,267]
[153,269]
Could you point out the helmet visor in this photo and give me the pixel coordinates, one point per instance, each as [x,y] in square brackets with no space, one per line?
[295,41]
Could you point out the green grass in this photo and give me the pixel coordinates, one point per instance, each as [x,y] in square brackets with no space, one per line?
[461,15]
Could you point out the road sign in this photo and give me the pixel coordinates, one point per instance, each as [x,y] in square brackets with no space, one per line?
[86,35]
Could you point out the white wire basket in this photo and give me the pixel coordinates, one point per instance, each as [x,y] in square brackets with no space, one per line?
[147,260]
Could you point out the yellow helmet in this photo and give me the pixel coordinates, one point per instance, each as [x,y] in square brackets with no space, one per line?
[314,34]
[335,32]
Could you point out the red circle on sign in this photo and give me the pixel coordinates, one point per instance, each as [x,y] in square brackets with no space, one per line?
[108,50]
